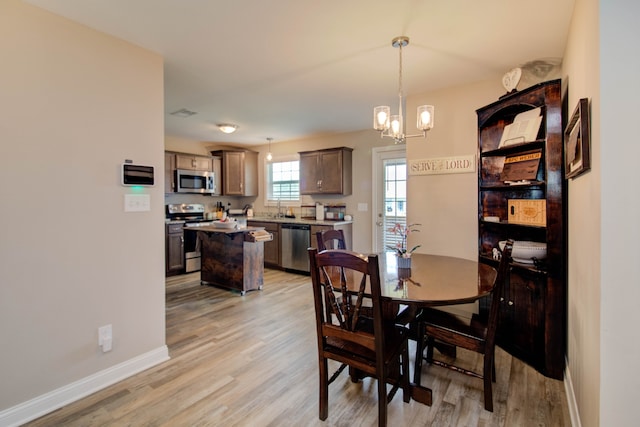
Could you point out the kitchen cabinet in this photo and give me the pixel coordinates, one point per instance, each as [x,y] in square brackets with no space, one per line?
[216,163]
[326,171]
[174,248]
[271,248]
[193,162]
[173,161]
[532,323]
[346,230]
[169,176]
[239,172]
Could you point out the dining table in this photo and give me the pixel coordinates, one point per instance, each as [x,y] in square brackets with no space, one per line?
[432,280]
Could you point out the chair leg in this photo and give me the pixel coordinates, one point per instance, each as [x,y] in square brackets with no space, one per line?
[430,344]
[487,379]
[382,401]
[493,371]
[417,364]
[406,392]
[324,390]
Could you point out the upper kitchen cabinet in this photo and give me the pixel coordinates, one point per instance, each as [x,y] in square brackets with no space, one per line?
[192,162]
[169,167]
[326,171]
[239,172]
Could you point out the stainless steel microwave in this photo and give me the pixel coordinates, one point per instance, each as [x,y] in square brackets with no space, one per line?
[201,182]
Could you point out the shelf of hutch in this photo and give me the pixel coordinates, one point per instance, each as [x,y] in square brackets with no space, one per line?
[533,318]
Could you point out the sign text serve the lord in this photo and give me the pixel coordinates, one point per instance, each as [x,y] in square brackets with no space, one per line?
[441,165]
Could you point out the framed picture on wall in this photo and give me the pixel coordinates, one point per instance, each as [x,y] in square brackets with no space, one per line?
[577,141]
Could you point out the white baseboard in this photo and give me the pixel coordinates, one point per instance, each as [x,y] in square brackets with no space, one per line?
[55,399]
[571,397]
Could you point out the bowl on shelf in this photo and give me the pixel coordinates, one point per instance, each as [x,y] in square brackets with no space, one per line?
[228,224]
[525,251]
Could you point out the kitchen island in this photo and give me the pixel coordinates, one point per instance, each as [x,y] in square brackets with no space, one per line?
[233,258]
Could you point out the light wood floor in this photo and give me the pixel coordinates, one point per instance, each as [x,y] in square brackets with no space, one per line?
[252,361]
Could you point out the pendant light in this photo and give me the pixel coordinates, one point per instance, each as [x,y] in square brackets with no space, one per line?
[269,156]
[383,121]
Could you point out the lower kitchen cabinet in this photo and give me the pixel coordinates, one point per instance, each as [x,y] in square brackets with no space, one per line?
[174,246]
[346,230]
[271,248]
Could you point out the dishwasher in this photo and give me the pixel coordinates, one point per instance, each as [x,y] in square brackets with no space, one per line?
[295,239]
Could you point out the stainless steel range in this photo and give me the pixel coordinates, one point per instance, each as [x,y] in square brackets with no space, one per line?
[192,214]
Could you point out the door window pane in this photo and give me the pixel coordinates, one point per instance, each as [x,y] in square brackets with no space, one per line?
[395,199]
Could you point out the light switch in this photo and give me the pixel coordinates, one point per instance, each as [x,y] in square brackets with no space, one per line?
[363,207]
[137,202]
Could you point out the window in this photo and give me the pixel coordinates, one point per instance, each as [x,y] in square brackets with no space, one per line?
[395,198]
[283,181]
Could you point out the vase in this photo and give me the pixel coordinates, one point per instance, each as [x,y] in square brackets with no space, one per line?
[404,262]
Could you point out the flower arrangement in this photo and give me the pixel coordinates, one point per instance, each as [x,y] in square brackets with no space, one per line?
[403,231]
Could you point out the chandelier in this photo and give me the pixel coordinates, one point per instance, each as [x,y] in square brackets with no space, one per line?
[393,126]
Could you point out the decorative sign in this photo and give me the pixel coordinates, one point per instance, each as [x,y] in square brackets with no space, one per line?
[521,166]
[442,165]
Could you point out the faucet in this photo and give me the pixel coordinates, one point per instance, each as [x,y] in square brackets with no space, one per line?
[279,211]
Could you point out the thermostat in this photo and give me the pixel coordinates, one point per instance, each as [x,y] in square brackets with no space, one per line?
[137,175]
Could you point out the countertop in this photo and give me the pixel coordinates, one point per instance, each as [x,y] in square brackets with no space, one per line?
[214,229]
[303,220]
[281,220]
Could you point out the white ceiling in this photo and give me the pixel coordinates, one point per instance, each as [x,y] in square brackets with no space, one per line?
[289,69]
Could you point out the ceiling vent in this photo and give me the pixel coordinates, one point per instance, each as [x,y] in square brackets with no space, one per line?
[183,112]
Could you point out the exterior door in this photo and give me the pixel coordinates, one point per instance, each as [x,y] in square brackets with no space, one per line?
[389,194]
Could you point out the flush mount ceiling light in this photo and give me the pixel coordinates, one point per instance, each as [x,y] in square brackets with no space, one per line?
[227,128]
[269,155]
[393,126]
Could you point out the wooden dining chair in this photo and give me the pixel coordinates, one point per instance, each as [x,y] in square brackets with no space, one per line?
[473,333]
[374,346]
[330,239]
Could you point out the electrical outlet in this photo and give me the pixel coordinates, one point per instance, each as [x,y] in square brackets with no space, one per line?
[105,337]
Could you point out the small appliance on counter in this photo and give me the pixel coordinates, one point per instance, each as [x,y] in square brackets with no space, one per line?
[319,211]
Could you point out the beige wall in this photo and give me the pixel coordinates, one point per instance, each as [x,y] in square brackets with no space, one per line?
[75,104]
[581,80]
[447,205]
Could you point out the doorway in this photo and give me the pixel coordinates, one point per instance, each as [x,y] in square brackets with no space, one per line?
[389,194]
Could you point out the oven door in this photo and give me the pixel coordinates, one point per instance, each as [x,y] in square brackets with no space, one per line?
[201,182]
